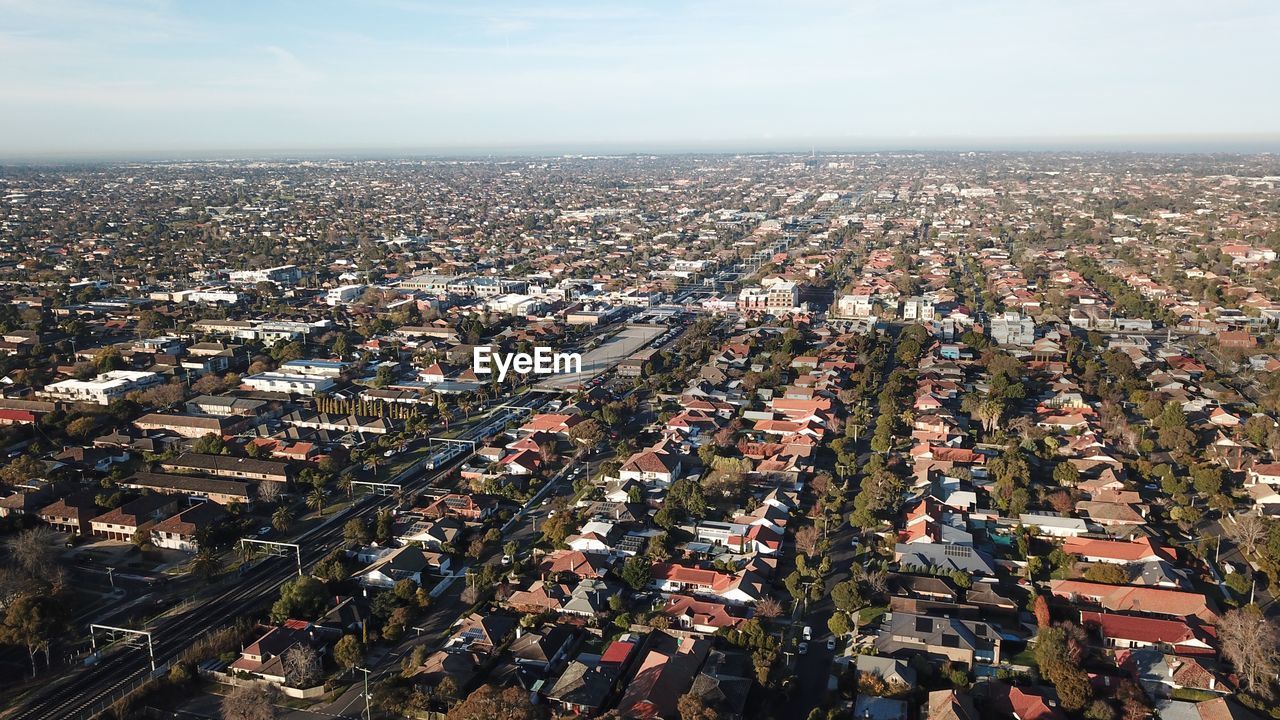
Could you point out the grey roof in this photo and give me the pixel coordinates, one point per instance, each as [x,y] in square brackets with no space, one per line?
[889,669]
[948,557]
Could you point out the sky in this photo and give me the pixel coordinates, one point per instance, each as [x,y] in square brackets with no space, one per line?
[138,77]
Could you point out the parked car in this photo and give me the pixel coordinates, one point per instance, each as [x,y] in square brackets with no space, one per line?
[804,648]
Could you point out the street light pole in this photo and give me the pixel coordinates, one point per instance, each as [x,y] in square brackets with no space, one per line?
[368,713]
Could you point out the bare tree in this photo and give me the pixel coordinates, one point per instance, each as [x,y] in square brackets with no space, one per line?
[1248,531]
[34,549]
[1251,642]
[768,607]
[255,701]
[807,540]
[270,491]
[302,666]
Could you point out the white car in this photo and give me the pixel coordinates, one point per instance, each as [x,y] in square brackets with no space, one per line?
[807,633]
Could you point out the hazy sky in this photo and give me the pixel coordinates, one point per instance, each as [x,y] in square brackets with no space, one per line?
[86,76]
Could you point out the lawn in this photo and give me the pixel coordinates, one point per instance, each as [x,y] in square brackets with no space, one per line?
[871,615]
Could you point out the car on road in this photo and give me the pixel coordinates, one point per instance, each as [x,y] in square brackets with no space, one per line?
[804,648]
[506,559]
[263,531]
[831,643]
[807,633]
[551,513]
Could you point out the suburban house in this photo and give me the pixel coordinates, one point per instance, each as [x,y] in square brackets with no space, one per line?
[409,562]
[222,492]
[742,588]
[704,616]
[122,522]
[657,465]
[1127,598]
[264,658]
[228,466]
[190,426]
[1181,637]
[72,514]
[967,642]
[471,508]
[181,531]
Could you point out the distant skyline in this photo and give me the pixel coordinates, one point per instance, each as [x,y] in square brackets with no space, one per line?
[156,78]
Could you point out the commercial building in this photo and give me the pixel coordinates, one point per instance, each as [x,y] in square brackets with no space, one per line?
[102,389]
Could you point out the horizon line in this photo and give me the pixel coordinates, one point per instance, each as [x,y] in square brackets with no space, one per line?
[1242,144]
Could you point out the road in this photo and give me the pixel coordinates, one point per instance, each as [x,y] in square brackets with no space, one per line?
[86,691]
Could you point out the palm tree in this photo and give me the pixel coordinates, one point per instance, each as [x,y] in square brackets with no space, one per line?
[204,565]
[316,500]
[282,518]
[344,484]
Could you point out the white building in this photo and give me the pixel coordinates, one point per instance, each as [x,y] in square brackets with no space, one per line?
[918,309]
[103,388]
[516,304]
[342,294]
[282,382]
[1013,328]
[854,306]
[280,275]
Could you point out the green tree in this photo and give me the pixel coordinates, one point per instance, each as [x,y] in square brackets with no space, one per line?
[839,624]
[282,518]
[32,621]
[301,597]
[209,444]
[316,499]
[348,652]
[637,572]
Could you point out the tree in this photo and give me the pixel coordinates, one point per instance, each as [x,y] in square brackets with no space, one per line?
[1248,531]
[768,607]
[22,469]
[1251,642]
[269,492]
[303,596]
[1066,474]
[1041,609]
[637,572]
[847,597]
[839,624]
[1108,573]
[204,565]
[32,621]
[1054,657]
[254,701]
[490,703]
[302,666]
[807,540]
[82,427]
[316,499]
[691,706]
[348,652]
[282,518]
[34,550]
[356,530]
[209,444]
[588,432]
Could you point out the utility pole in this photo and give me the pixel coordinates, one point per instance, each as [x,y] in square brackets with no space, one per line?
[111,577]
[368,713]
